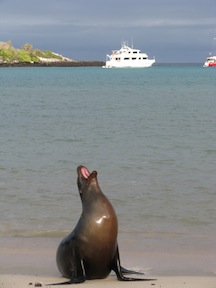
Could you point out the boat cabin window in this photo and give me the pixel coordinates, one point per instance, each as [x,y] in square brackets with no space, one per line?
[126,58]
[134,58]
[144,58]
[134,52]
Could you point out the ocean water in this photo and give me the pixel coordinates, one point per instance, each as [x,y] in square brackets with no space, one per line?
[149,133]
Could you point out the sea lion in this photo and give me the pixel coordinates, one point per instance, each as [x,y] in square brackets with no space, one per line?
[91,251]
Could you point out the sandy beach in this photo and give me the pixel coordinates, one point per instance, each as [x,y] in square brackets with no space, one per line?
[29,262]
[20,281]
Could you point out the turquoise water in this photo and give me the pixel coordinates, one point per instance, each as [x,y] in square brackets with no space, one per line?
[150,134]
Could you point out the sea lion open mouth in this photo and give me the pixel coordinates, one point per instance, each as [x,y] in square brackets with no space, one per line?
[85,178]
[84,175]
[84,172]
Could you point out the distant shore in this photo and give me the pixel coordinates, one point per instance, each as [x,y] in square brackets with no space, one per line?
[84,64]
[56,64]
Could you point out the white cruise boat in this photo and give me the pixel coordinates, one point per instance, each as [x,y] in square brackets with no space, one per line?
[128,57]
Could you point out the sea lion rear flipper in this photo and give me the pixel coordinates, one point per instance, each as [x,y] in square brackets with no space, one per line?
[126,271]
[116,266]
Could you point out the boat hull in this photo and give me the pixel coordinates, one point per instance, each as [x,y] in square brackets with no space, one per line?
[129,64]
[212,65]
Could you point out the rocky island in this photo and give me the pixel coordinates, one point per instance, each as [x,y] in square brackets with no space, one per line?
[27,56]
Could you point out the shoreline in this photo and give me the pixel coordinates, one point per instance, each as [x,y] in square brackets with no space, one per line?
[56,64]
[76,63]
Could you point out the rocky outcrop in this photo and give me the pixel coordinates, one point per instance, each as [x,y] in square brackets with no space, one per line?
[29,57]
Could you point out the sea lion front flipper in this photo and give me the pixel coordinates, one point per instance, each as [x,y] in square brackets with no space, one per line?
[116,266]
[78,275]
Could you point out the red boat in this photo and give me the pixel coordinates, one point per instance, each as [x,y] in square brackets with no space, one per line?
[210,62]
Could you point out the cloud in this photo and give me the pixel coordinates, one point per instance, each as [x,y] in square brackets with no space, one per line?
[69,25]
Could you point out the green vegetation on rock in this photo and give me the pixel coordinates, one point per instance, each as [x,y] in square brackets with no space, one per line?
[24,57]
[9,54]
[47,54]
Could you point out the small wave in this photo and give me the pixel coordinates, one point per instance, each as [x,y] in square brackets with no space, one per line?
[69,140]
[211,151]
[36,234]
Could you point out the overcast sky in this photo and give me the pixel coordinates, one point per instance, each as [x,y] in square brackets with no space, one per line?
[170,30]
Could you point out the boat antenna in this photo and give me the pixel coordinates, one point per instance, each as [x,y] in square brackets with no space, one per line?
[132,42]
[123,41]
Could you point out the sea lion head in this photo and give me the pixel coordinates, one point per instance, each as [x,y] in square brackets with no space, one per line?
[87,183]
